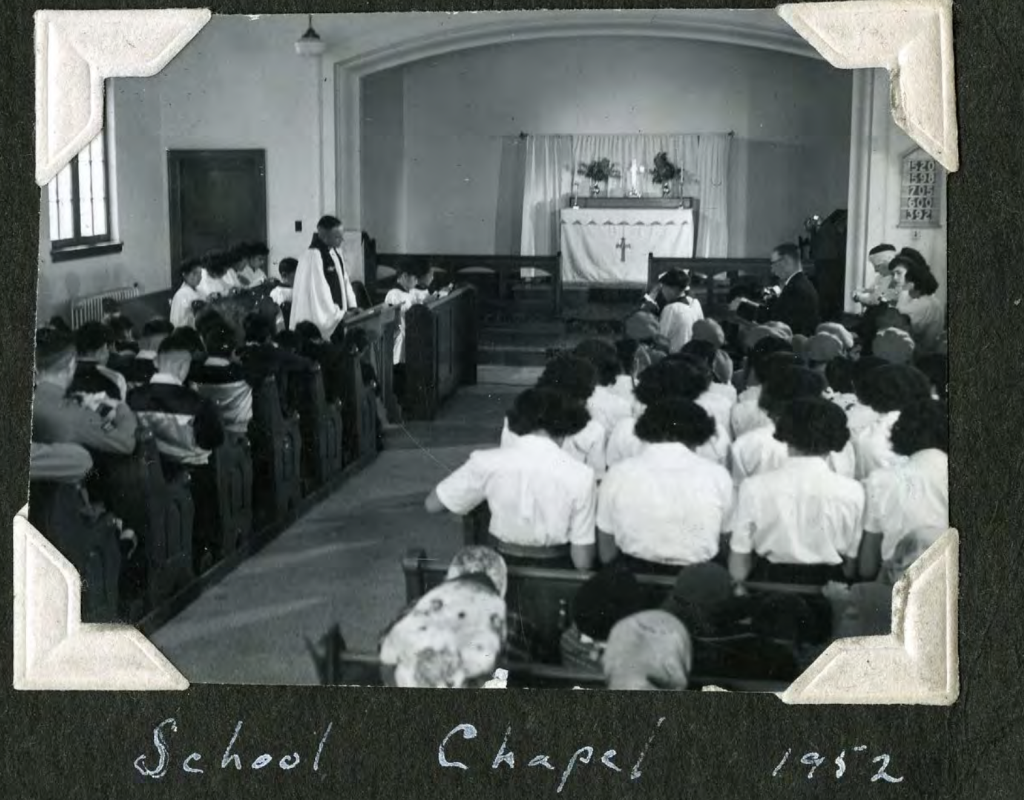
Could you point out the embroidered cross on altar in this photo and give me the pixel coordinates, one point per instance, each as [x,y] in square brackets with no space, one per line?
[623,247]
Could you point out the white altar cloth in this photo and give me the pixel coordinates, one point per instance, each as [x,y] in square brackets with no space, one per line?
[610,245]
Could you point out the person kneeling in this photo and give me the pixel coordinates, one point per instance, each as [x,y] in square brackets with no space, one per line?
[802,519]
[542,500]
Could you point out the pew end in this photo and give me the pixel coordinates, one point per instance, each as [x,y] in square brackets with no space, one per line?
[276,455]
[91,545]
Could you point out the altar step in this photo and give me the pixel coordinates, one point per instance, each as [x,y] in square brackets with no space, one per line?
[522,331]
[507,355]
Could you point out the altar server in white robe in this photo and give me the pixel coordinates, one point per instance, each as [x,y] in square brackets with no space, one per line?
[323,292]
[182,313]
[219,277]
[680,311]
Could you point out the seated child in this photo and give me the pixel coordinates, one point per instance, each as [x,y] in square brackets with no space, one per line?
[608,404]
[665,507]
[221,380]
[913,495]
[92,375]
[802,521]
[183,304]
[542,500]
[575,378]
[759,451]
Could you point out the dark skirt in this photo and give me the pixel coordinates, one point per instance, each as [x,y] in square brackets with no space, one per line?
[520,556]
[640,566]
[810,574]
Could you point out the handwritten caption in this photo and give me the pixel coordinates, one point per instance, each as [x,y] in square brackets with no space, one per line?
[815,761]
[158,767]
[506,756]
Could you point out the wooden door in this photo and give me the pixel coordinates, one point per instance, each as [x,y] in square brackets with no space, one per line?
[218,198]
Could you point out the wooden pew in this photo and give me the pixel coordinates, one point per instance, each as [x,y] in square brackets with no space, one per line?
[276,455]
[537,594]
[336,666]
[358,414]
[320,426]
[440,352]
[223,496]
[380,324]
[92,547]
[160,511]
[493,275]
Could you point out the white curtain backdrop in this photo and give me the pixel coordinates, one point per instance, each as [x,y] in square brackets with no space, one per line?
[546,189]
[551,163]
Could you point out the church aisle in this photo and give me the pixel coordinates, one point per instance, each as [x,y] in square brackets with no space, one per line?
[341,562]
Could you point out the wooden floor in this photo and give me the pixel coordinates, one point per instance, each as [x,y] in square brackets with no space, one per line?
[340,563]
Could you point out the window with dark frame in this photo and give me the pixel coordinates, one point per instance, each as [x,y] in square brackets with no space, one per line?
[79,204]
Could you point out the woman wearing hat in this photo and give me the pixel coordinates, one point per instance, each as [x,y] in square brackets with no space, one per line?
[451,637]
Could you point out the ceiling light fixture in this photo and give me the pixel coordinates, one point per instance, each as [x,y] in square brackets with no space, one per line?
[310,44]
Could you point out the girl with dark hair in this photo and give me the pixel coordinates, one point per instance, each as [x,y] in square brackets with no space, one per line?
[839,374]
[859,415]
[252,263]
[802,520]
[917,300]
[677,377]
[574,378]
[542,500]
[665,507]
[886,390]
[611,595]
[759,450]
[747,414]
[912,495]
[610,402]
[717,403]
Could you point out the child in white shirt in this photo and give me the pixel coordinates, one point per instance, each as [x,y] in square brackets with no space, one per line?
[182,313]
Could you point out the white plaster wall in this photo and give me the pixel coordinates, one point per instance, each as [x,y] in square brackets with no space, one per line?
[791,117]
[888,145]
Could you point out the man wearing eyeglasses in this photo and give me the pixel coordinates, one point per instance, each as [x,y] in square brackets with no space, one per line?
[795,300]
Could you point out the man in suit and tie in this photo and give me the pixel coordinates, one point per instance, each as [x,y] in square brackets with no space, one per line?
[796,302]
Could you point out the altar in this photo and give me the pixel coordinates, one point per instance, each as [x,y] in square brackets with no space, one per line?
[609,242]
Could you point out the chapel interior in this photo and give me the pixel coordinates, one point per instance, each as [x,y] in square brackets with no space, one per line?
[451,145]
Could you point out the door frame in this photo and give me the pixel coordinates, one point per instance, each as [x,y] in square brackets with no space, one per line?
[175,158]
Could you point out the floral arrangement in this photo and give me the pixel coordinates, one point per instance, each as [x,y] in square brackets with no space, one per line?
[599,170]
[664,170]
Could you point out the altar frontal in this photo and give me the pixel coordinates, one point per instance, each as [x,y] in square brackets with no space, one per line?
[611,244]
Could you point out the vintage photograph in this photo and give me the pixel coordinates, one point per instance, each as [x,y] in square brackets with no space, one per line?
[563,349]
